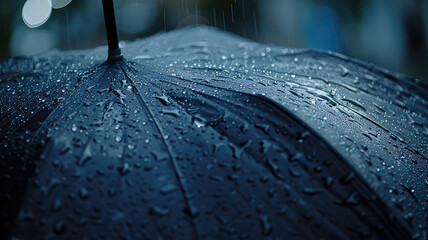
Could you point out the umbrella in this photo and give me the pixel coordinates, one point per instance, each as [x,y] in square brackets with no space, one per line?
[200,134]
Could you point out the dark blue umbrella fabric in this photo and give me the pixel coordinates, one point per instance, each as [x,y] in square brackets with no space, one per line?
[199,134]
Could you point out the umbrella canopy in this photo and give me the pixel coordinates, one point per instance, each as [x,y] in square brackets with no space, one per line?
[200,134]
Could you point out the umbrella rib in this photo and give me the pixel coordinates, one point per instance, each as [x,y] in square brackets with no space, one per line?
[362,114]
[356,112]
[420,88]
[369,67]
[362,188]
[56,108]
[262,165]
[332,82]
[43,124]
[35,139]
[91,135]
[254,158]
[178,173]
[257,164]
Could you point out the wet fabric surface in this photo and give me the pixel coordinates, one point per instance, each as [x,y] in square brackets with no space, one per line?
[200,134]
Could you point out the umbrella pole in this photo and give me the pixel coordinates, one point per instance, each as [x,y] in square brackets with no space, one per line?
[114,53]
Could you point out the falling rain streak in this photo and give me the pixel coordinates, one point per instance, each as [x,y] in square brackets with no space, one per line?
[224,17]
[231,13]
[68,27]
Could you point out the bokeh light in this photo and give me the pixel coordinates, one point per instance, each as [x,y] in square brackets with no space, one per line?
[36,12]
[56,4]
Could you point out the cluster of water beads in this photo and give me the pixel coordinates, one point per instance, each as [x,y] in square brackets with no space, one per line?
[122,142]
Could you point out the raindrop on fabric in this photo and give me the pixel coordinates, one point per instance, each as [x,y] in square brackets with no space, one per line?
[36,12]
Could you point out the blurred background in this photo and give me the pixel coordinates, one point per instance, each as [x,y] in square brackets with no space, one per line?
[389,33]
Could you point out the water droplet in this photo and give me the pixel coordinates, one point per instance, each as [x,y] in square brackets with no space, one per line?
[199,121]
[86,156]
[345,71]
[159,155]
[266,226]
[173,112]
[312,191]
[59,228]
[47,189]
[83,193]
[168,188]
[56,205]
[161,212]
[263,127]
[164,100]
[25,215]
[125,169]
[237,151]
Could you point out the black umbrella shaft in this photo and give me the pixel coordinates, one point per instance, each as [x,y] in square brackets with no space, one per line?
[114,52]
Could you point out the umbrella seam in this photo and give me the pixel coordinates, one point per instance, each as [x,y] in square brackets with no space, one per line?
[174,163]
[331,149]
